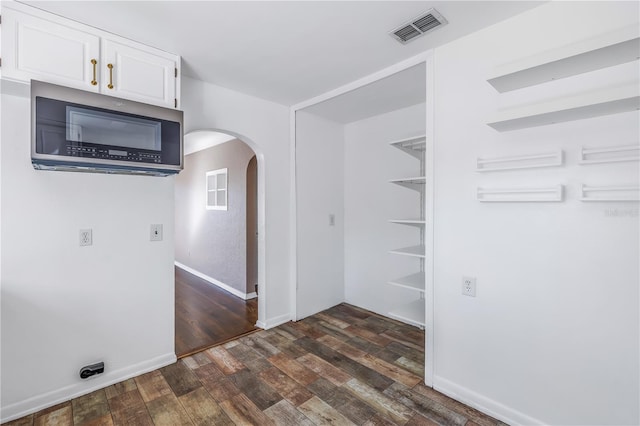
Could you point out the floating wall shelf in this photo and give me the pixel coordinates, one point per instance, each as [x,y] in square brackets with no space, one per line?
[415,251]
[414,146]
[519,162]
[610,193]
[611,154]
[604,51]
[412,313]
[412,282]
[520,195]
[568,109]
[414,222]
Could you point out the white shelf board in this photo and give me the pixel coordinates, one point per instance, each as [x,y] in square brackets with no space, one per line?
[519,162]
[415,146]
[619,193]
[568,109]
[412,313]
[412,282]
[610,154]
[414,222]
[520,195]
[606,50]
[415,251]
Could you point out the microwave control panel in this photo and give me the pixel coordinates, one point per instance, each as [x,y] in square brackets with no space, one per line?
[106,153]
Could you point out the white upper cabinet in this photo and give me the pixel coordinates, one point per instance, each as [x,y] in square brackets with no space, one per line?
[146,75]
[41,46]
[42,50]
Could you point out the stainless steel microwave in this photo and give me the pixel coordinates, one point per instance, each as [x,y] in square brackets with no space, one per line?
[75,130]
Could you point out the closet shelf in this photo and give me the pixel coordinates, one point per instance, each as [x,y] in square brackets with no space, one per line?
[415,146]
[611,154]
[415,251]
[412,313]
[412,282]
[519,162]
[604,51]
[414,222]
[415,183]
[568,109]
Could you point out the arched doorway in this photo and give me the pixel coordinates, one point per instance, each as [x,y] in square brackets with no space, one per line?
[218,244]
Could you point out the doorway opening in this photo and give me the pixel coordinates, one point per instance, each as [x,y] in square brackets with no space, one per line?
[216,242]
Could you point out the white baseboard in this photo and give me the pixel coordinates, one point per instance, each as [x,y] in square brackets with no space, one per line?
[226,287]
[49,399]
[274,322]
[482,403]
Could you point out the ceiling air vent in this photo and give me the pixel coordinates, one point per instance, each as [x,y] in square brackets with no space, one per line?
[418,26]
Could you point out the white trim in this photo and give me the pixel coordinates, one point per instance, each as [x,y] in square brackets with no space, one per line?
[482,403]
[429,210]
[378,75]
[226,287]
[273,322]
[293,222]
[49,399]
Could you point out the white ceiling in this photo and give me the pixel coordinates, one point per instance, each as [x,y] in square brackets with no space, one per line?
[400,90]
[284,51]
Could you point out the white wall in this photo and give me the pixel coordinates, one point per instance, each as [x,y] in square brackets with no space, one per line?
[319,190]
[66,306]
[370,201]
[264,126]
[552,336]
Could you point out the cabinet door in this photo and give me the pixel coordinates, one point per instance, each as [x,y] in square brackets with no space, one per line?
[35,48]
[143,75]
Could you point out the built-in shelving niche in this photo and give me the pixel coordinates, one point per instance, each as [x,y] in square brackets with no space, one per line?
[413,312]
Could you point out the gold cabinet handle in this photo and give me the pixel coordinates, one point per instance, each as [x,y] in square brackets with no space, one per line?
[94,81]
[110,85]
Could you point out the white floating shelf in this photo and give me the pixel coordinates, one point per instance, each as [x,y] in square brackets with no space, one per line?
[610,193]
[415,146]
[604,51]
[612,154]
[412,282]
[612,101]
[411,313]
[520,195]
[415,251]
[414,222]
[519,162]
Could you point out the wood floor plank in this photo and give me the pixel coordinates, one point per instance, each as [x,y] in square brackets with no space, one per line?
[345,403]
[411,366]
[293,369]
[260,393]
[285,386]
[324,369]
[242,411]
[89,407]
[333,320]
[285,414]
[351,367]
[418,420]
[62,417]
[120,388]
[426,407]
[322,413]
[152,385]
[203,409]
[283,344]
[369,335]
[386,406]
[129,409]
[260,345]
[180,378]
[224,360]
[167,411]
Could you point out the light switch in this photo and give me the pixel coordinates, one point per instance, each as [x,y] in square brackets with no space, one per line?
[156,232]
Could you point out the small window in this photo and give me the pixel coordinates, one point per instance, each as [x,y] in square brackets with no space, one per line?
[217,189]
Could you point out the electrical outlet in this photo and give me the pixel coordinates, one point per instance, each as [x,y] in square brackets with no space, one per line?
[86,237]
[469,286]
[156,233]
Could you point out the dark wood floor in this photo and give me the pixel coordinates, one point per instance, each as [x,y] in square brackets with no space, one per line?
[343,366]
[207,315]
